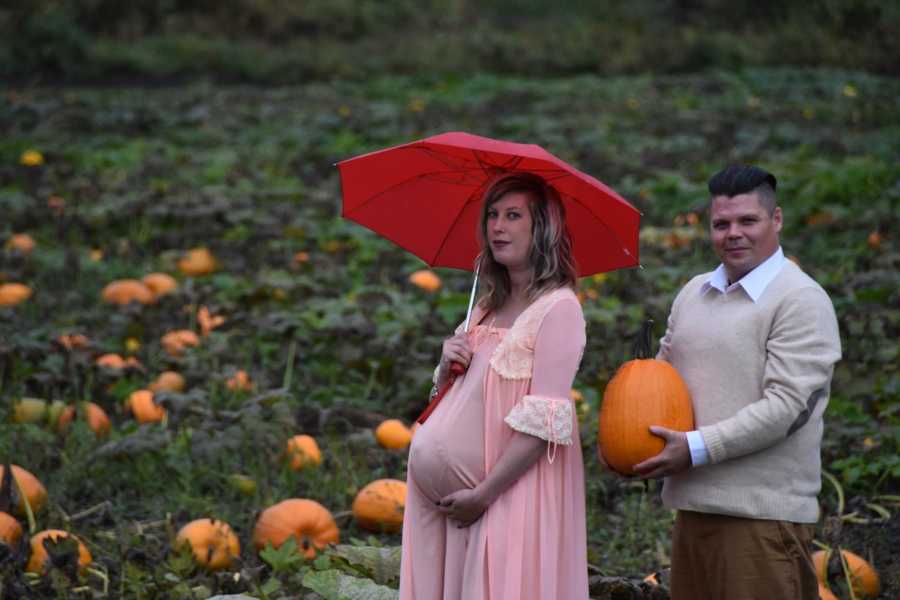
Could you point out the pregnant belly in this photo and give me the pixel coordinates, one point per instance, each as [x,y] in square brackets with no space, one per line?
[442,462]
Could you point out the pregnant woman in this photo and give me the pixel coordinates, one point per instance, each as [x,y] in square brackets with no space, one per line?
[495,501]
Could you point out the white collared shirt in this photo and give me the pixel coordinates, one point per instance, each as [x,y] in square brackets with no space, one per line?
[754,284]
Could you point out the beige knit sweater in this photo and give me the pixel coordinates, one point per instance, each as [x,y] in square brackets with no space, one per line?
[759,376]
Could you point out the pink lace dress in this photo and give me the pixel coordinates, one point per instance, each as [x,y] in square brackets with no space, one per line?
[530,544]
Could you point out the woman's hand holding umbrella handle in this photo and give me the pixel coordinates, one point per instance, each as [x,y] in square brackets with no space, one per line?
[455,357]
[456,350]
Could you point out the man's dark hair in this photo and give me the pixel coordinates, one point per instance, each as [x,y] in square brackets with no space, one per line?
[735,180]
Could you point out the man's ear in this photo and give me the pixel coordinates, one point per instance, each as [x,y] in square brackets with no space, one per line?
[776,218]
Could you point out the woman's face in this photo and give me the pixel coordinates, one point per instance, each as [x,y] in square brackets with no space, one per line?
[509,230]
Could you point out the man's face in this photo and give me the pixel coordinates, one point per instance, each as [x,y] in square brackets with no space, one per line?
[743,232]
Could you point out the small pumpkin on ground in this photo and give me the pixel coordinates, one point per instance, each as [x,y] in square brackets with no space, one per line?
[643,392]
[197,262]
[302,451]
[73,341]
[160,284]
[307,521]
[240,382]
[176,341]
[126,291]
[39,557]
[31,486]
[168,381]
[214,544]
[825,593]
[12,294]
[144,408]
[97,418]
[114,361]
[393,434]
[426,279]
[20,242]
[863,577]
[379,506]
[10,530]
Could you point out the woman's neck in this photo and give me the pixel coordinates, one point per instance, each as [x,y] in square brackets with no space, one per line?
[518,283]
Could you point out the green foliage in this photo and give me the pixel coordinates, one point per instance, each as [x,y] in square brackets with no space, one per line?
[283,559]
[281,41]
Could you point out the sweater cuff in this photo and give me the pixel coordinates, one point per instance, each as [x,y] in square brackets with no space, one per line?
[714,444]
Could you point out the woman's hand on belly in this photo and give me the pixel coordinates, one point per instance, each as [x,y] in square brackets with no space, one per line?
[464,506]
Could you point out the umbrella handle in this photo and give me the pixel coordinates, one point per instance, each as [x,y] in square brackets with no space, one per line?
[456,369]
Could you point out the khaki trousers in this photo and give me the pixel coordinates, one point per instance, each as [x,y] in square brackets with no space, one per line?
[718,557]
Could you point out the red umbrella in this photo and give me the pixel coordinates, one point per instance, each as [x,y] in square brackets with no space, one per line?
[425,196]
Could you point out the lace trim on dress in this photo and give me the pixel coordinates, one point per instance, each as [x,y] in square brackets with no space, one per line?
[546,417]
[514,356]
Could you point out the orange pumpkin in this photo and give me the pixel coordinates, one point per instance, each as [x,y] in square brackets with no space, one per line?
[197,262]
[21,242]
[97,418]
[12,294]
[73,341]
[214,544]
[393,434]
[126,291]
[207,321]
[168,381]
[302,451]
[160,284]
[114,361]
[643,392]
[426,279]
[175,342]
[863,577]
[307,521]
[379,506]
[825,593]
[31,486]
[38,561]
[144,409]
[240,382]
[10,530]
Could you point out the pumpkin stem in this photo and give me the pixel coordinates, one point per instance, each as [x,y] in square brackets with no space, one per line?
[644,342]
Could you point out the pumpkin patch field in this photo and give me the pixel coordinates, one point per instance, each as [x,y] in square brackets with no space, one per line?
[208,378]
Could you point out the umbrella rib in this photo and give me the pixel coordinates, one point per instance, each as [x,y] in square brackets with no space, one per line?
[440,247]
[601,221]
[402,183]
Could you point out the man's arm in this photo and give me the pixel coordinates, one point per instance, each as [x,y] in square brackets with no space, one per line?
[803,346]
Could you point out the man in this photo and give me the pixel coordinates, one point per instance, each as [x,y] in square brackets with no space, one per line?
[756,341]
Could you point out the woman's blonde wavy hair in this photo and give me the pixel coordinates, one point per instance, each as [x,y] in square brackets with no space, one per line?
[551,247]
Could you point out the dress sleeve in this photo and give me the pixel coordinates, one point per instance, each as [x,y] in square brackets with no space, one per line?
[547,411]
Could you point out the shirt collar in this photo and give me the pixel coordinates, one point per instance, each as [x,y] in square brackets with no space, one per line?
[754,282]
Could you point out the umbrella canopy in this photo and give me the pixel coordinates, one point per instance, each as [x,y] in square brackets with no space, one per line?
[425,196]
